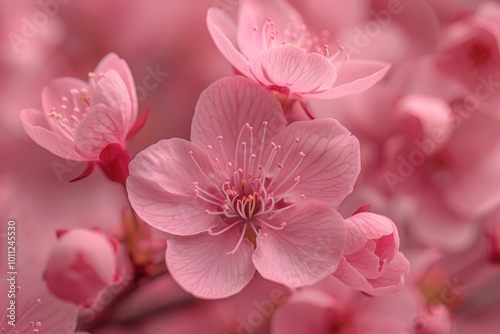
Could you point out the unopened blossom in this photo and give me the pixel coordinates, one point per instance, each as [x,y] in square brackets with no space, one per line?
[81,264]
[372,262]
[247,193]
[271,44]
[88,121]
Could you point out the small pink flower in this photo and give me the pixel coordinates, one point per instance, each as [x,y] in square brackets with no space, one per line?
[271,44]
[87,121]
[33,309]
[247,192]
[85,259]
[470,53]
[372,262]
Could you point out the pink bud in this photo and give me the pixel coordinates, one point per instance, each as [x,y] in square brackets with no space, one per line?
[372,262]
[81,264]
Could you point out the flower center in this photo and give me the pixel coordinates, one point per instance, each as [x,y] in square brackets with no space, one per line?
[247,191]
[66,116]
[299,35]
[479,54]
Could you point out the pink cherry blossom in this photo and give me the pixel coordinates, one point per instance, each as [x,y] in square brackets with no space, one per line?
[331,307]
[372,262]
[470,47]
[83,258]
[88,121]
[247,192]
[271,44]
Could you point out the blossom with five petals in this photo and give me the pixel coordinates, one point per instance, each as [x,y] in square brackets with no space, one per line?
[247,193]
[271,44]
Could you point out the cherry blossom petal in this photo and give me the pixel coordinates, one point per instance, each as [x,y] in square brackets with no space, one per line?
[109,119]
[367,263]
[161,189]
[254,13]
[97,130]
[35,125]
[290,66]
[112,91]
[367,226]
[225,107]
[113,62]
[202,267]
[223,29]
[355,76]
[306,250]
[329,168]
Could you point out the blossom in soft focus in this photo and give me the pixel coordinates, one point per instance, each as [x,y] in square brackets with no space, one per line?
[247,192]
[271,44]
[88,121]
[469,49]
[81,264]
[35,310]
[326,307]
[372,262]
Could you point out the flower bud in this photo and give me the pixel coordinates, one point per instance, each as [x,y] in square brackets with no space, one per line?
[372,262]
[81,264]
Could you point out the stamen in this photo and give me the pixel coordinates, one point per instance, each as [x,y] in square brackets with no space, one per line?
[327,51]
[262,141]
[240,240]
[265,170]
[190,153]
[238,141]
[277,211]
[282,225]
[244,145]
[85,99]
[208,200]
[302,155]
[224,230]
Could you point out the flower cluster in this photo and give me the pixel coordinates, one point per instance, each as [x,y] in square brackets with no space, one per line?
[287,188]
